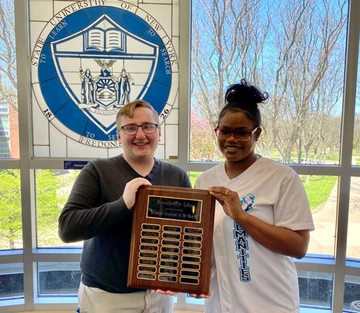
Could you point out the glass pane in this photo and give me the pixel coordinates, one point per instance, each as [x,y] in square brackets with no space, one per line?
[9,125]
[352,293]
[295,53]
[356,140]
[353,243]
[322,195]
[10,210]
[52,190]
[315,289]
[11,281]
[58,279]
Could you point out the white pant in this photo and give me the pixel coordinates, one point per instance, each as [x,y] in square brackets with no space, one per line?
[94,300]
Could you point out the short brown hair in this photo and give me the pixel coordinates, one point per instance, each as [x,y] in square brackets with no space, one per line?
[129,108]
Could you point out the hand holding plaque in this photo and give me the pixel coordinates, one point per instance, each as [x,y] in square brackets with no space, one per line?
[171,243]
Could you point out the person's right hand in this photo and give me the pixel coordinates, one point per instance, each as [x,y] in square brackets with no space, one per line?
[130,190]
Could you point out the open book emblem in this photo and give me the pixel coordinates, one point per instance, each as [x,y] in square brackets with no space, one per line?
[104,66]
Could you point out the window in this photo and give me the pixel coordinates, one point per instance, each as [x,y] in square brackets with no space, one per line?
[52,190]
[322,195]
[58,279]
[11,281]
[9,124]
[10,204]
[293,50]
[315,289]
[352,292]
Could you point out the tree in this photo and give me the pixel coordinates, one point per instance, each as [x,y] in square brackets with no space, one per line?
[10,213]
[290,48]
[52,189]
[227,40]
[308,39]
[8,81]
[201,138]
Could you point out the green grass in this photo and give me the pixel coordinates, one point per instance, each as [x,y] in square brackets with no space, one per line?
[318,189]
[193,176]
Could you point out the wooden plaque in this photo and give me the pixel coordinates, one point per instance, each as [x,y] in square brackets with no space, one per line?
[171,243]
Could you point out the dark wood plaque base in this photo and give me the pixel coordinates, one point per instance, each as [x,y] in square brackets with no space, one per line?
[171,244]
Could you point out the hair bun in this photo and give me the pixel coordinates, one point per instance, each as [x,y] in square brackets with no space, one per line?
[244,93]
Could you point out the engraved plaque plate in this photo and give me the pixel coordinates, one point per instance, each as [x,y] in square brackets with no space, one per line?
[171,243]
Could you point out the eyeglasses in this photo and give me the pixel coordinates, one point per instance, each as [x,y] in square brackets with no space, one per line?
[132,129]
[242,135]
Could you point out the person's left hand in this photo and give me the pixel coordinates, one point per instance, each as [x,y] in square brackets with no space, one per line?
[229,200]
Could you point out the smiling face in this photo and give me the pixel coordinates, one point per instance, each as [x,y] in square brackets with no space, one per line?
[235,150]
[141,146]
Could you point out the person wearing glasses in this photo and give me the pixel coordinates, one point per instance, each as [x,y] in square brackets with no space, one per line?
[262,216]
[99,211]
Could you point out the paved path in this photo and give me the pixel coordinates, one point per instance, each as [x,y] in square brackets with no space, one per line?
[323,238]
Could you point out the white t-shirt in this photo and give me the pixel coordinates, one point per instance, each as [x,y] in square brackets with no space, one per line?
[246,276]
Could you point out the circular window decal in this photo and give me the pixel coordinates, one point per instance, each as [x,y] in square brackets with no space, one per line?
[90,61]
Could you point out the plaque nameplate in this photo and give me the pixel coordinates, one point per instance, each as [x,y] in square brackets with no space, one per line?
[171,243]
